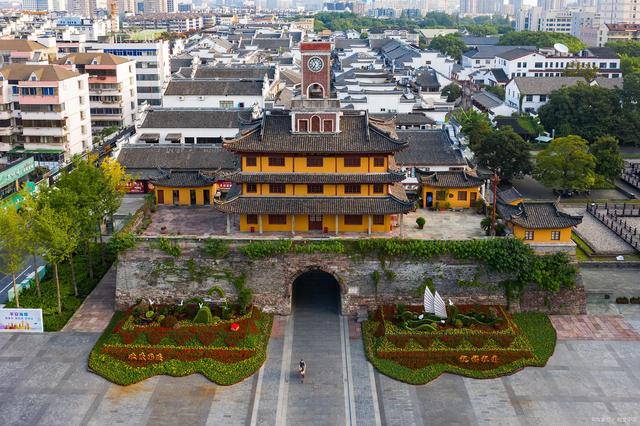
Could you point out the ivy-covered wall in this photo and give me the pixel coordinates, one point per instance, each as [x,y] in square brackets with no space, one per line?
[370,272]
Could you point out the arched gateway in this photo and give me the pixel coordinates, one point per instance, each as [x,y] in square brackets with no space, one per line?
[317,290]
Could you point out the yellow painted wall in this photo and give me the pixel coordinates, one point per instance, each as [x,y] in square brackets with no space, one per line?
[184,195]
[451,196]
[366,190]
[329,165]
[302,225]
[543,235]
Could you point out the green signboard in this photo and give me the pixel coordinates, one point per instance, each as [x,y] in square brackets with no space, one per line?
[23,168]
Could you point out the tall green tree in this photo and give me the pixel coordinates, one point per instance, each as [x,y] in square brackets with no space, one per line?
[13,245]
[583,110]
[609,162]
[504,149]
[566,164]
[57,237]
[576,69]
[452,91]
[541,39]
[475,125]
[30,209]
[449,44]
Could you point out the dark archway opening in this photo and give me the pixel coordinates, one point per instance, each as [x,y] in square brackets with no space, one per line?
[316,290]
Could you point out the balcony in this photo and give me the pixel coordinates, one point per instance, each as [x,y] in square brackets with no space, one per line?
[38,99]
[103,79]
[44,131]
[49,115]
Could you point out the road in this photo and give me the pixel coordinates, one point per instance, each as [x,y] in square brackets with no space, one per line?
[6,283]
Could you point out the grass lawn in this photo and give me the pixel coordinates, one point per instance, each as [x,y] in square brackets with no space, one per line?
[70,303]
[461,351]
[127,354]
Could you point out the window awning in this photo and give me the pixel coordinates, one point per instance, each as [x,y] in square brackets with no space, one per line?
[150,137]
[173,137]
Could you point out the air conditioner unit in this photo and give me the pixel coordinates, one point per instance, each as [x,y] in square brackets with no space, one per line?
[202,98]
[181,98]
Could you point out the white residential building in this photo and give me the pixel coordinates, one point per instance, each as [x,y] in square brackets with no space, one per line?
[528,94]
[112,87]
[152,66]
[619,11]
[525,63]
[44,110]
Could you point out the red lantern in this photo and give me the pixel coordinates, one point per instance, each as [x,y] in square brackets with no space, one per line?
[235,326]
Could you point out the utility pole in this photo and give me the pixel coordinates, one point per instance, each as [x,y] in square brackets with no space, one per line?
[495,179]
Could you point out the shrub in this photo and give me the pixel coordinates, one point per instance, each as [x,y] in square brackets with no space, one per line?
[622,300]
[169,321]
[169,247]
[215,248]
[420,222]
[203,316]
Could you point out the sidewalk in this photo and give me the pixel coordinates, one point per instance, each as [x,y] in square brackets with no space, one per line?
[97,309]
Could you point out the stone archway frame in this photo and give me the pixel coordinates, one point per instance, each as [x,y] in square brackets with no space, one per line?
[342,287]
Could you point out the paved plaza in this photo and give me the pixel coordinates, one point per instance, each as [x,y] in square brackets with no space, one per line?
[209,222]
[45,382]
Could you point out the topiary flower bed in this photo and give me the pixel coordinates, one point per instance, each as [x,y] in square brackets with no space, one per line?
[499,345]
[225,351]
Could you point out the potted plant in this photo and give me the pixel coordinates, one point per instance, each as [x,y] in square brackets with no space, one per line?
[447,205]
[420,222]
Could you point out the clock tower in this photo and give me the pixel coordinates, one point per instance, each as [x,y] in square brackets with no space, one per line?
[316,70]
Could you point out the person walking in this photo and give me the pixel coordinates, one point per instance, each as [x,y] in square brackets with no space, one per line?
[302,369]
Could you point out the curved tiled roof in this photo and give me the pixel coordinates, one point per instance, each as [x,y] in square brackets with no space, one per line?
[316,205]
[357,136]
[451,179]
[537,216]
[183,179]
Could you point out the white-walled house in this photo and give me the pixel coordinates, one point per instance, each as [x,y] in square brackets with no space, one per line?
[192,125]
[204,93]
[527,94]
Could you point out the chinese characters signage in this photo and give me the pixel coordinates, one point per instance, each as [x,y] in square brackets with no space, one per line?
[23,320]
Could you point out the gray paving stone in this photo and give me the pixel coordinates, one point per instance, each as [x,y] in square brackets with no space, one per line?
[181,400]
[436,401]
[532,382]
[230,405]
[576,383]
[66,410]
[490,402]
[26,344]
[17,409]
[617,383]
[45,374]
[125,405]
[588,353]
[11,372]
[268,393]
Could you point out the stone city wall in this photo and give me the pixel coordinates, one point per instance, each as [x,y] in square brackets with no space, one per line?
[147,272]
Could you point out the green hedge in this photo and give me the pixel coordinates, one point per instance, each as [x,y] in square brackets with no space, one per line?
[535,327]
[221,373]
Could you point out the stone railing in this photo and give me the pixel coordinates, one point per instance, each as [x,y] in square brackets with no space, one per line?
[612,216]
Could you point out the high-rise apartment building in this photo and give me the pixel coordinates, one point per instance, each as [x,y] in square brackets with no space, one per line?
[617,11]
[155,6]
[112,87]
[152,66]
[44,112]
[38,5]
[82,8]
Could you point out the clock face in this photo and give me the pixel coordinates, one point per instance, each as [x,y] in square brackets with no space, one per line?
[315,64]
